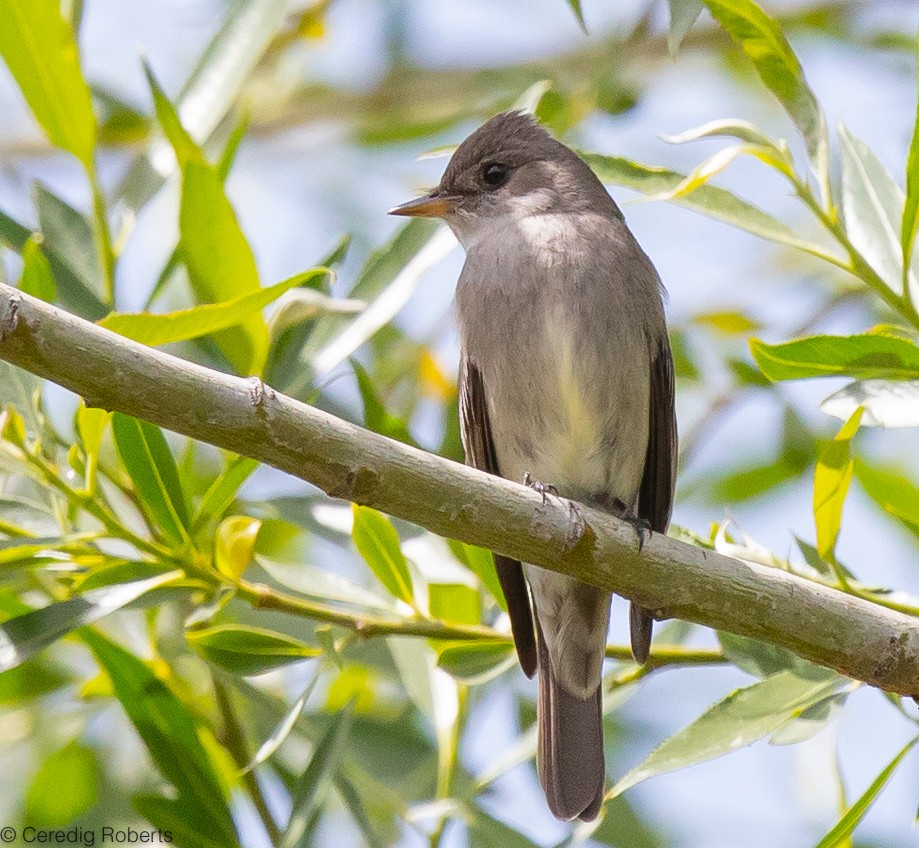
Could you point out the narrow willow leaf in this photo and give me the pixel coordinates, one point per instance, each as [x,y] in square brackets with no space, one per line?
[894,493]
[475,663]
[313,785]
[38,46]
[221,493]
[866,356]
[832,475]
[22,517]
[683,14]
[172,733]
[25,635]
[247,28]
[304,304]
[388,279]
[847,824]
[274,741]
[455,602]
[150,464]
[36,278]
[12,550]
[69,235]
[248,650]
[187,823]
[887,403]
[704,171]
[717,203]
[21,390]
[481,563]
[575,6]
[220,263]
[911,205]
[234,545]
[65,786]
[758,658]
[376,416]
[378,543]
[872,206]
[485,831]
[165,328]
[811,721]
[740,720]
[184,147]
[324,585]
[761,38]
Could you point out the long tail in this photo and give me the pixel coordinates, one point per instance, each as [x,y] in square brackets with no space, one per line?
[570,756]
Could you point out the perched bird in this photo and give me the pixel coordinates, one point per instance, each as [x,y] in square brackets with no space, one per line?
[566,378]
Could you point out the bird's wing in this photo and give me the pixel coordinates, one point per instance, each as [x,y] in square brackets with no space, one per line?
[655,497]
[480,453]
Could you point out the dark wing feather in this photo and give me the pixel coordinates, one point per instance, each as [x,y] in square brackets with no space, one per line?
[480,453]
[655,497]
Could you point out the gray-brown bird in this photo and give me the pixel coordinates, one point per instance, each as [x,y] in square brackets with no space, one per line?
[566,378]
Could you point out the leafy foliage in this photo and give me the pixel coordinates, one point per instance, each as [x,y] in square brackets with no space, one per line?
[200,579]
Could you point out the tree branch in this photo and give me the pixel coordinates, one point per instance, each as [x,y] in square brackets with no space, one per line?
[855,636]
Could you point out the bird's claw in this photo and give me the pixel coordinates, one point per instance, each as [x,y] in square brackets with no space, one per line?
[640,526]
[544,489]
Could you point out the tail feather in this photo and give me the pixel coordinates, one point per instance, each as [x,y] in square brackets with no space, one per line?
[570,756]
[641,623]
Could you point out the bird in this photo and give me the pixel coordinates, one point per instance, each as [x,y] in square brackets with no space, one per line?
[566,383]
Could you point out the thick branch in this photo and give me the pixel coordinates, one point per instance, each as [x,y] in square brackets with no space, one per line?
[859,638]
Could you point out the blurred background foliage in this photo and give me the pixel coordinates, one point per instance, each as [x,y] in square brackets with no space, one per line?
[206,646]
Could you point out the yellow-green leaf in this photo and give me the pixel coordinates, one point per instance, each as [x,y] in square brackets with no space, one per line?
[378,543]
[165,328]
[248,650]
[37,279]
[832,476]
[234,544]
[38,46]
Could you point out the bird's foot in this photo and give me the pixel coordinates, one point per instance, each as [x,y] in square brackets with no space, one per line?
[639,525]
[544,489]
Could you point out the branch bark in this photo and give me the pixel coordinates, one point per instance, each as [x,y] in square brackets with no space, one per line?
[858,638]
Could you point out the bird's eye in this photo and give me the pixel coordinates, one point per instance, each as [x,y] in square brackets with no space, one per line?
[494,174]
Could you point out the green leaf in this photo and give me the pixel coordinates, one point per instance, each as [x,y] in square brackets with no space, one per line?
[149,462]
[189,825]
[575,6]
[761,38]
[25,635]
[872,206]
[730,322]
[811,721]
[485,831]
[64,788]
[248,650]
[222,491]
[313,785]
[894,493]
[683,14]
[171,732]
[41,52]
[886,403]
[378,543]
[70,236]
[324,585]
[481,563]
[376,417]
[717,203]
[186,150]
[832,476]
[455,602]
[850,819]
[22,517]
[911,205]
[165,328]
[740,720]
[865,356]
[758,658]
[13,550]
[277,736]
[220,263]
[22,390]
[234,545]
[37,279]
[475,663]
[394,270]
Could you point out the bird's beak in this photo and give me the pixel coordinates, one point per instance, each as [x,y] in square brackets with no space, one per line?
[432,205]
